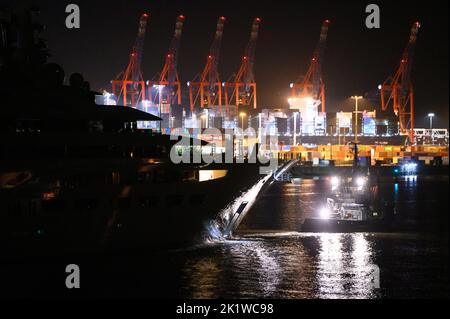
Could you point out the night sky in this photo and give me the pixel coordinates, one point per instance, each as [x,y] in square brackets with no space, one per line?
[356,59]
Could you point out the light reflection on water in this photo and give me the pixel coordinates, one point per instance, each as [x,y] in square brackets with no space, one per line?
[285,266]
[204,277]
[346,272]
[247,265]
[271,259]
[256,256]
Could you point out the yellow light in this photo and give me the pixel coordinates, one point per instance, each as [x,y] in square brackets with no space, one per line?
[48,195]
[242,114]
[207,175]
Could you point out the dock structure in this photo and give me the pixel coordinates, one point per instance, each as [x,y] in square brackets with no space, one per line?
[383,154]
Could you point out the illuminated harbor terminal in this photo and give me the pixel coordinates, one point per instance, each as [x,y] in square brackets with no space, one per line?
[383,126]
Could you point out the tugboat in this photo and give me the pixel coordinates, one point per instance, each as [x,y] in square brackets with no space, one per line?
[352,205]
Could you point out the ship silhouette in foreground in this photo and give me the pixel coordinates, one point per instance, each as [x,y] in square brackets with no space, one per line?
[80,177]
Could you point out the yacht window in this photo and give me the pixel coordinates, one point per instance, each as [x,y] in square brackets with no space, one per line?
[189,175]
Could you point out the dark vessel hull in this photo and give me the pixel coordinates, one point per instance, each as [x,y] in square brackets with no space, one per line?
[124,216]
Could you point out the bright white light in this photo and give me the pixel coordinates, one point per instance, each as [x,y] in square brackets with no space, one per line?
[309,100]
[146,103]
[360,181]
[409,168]
[430,114]
[325,213]
[188,83]
[291,85]
[379,87]
[335,181]
[159,87]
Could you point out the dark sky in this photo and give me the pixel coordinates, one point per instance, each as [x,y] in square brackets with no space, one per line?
[357,59]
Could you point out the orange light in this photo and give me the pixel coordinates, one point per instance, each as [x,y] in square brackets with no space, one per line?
[48,195]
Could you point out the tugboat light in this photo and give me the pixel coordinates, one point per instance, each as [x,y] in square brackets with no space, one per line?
[409,168]
[325,213]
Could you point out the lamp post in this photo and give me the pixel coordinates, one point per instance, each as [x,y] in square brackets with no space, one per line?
[242,115]
[295,128]
[339,135]
[356,98]
[331,141]
[159,87]
[203,118]
[431,115]
[241,141]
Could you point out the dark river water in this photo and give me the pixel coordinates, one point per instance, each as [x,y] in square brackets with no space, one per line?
[269,258]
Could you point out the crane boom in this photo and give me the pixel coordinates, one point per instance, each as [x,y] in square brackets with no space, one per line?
[214,54]
[170,67]
[245,77]
[138,48]
[408,54]
[168,83]
[397,91]
[318,58]
[206,87]
[312,85]
[247,68]
[129,86]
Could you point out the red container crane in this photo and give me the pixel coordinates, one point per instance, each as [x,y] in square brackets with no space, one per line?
[167,87]
[397,91]
[129,85]
[312,85]
[206,89]
[242,85]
